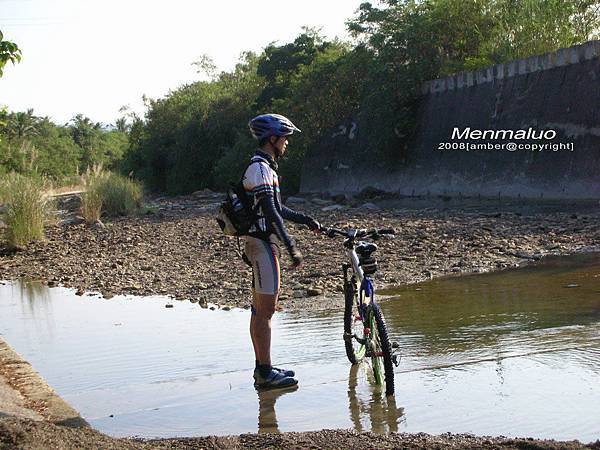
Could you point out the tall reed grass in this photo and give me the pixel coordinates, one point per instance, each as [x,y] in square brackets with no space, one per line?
[110,194]
[27,209]
[91,202]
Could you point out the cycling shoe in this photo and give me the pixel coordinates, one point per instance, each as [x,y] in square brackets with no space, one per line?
[275,379]
[286,372]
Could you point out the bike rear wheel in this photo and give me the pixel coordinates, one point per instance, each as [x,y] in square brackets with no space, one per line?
[380,349]
[353,326]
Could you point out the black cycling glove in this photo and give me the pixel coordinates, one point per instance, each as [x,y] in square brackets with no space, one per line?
[313,224]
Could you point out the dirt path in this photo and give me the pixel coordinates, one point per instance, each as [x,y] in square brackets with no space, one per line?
[178,250]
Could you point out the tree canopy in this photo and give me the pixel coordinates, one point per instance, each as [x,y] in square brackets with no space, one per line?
[33,145]
[197,137]
[9,52]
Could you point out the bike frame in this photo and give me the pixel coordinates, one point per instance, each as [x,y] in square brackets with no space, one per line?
[366,289]
[374,329]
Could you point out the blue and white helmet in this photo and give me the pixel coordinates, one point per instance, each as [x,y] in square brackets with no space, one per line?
[267,125]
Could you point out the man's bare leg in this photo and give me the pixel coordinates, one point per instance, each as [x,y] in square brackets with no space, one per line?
[260,326]
[253,325]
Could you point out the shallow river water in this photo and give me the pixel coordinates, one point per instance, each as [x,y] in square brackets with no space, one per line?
[515,353]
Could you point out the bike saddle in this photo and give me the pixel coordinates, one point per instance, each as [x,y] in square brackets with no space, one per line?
[365,248]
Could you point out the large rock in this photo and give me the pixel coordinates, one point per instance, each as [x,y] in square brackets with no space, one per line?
[297,200]
[332,208]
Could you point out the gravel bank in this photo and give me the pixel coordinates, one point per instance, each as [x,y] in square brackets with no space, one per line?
[178,250]
[27,434]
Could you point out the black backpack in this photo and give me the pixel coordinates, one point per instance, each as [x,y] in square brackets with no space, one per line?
[236,214]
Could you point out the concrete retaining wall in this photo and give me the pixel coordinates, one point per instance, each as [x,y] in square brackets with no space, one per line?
[557,92]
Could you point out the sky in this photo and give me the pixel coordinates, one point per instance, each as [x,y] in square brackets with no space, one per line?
[95,56]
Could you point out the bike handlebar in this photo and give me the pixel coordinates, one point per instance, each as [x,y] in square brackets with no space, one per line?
[356,234]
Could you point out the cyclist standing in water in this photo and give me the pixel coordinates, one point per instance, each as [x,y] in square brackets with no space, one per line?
[262,246]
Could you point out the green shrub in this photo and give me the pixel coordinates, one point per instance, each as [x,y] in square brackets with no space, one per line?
[110,194]
[28,208]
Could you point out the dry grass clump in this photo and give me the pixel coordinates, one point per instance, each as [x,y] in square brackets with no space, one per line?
[27,209]
[91,202]
[109,193]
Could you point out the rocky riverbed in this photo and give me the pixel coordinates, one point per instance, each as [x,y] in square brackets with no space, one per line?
[175,248]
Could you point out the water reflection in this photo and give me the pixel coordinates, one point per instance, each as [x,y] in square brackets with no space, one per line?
[35,294]
[369,409]
[501,315]
[372,410]
[267,418]
[521,340]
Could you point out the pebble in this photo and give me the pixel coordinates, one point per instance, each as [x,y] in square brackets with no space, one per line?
[371,206]
[97,225]
[296,200]
[332,208]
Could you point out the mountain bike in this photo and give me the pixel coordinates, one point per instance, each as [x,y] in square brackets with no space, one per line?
[365,332]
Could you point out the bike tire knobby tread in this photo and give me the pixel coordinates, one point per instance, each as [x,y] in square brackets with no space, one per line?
[386,348]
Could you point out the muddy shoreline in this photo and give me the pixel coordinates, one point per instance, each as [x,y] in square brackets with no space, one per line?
[176,249]
[29,434]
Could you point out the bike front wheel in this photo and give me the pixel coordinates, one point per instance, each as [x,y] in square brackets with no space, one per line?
[380,349]
[353,327]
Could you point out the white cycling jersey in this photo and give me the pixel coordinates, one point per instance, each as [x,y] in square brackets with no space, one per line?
[259,180]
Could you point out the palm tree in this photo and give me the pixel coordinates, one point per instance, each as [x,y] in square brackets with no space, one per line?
[121,125]
[22,125]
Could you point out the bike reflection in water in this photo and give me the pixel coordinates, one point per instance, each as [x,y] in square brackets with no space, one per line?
[380,410]
[369,407]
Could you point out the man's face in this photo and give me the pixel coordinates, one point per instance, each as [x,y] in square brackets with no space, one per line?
[281,144]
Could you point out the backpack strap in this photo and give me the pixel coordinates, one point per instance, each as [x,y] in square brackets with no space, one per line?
[257,234]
